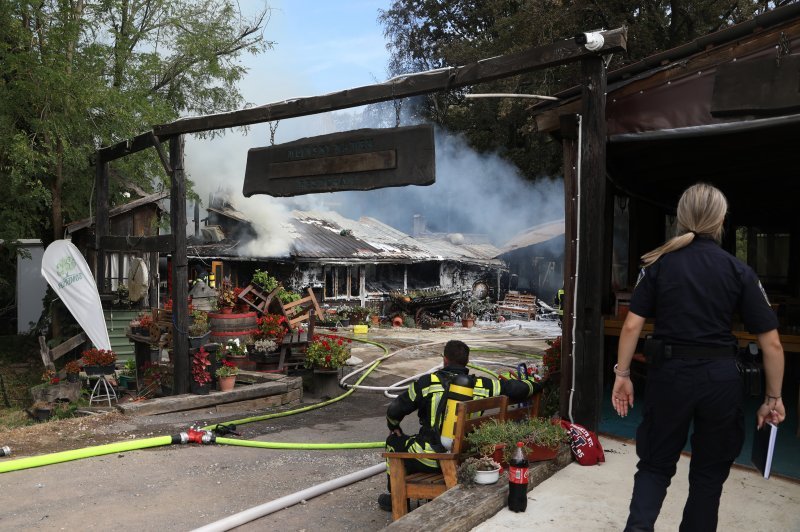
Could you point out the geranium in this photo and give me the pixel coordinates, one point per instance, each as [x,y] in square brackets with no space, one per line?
[227,369]
[327,351]
[199,364]
[271,327]
[552,356]
[145,320]
[73,367]
[225,295]
[98,357]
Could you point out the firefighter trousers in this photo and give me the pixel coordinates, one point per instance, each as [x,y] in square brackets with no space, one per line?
[705,394]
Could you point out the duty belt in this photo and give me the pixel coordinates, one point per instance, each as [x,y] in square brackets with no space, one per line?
[696,351]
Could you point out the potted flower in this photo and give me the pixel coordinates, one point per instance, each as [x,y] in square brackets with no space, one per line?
[343,315]
[226,375]
[226,298]
[271,327]
[541,436]
[145,323]
[358,315]
[72,369]
[327,352]
[98,361]
[480,470]
[201,377]
[127,376]
[199,330]
[265,281]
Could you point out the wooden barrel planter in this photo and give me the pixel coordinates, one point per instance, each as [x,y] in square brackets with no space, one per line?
[226,327]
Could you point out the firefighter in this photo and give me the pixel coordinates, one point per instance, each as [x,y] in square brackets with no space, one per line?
[692,288]
[559,302]
[429,396]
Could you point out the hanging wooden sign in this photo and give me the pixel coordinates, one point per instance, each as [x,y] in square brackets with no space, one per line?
[364,159]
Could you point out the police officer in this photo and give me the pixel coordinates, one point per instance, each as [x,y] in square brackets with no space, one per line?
[427,395]
[692,288]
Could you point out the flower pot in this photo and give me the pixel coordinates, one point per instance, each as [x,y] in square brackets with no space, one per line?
[226,310]
[537,453]
[487,477]
[200,389]
[325,382]
[72,377]
[99,370]
[467,323]
[226,384]
[376,320]
[196,342]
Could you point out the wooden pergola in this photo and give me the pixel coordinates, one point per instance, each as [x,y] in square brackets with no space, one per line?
[584,158]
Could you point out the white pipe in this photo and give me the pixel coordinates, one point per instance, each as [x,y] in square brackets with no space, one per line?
[502,95]
[577,262]
[251,514]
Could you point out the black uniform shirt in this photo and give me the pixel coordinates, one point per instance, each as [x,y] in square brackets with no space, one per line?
[694,292]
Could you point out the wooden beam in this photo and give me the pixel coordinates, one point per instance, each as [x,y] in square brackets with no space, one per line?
[588,355]
[126,147]
[180,274]
[161,155]
[569,134]
[159,244]
[101,221]
[443,79]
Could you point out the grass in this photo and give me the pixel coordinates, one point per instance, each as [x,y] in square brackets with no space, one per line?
[20,369]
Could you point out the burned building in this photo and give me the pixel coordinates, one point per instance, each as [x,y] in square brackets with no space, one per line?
[341,259]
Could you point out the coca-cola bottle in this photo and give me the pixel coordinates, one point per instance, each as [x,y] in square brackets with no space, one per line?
[518,480]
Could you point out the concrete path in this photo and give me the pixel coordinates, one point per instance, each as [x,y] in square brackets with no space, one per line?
[596,498]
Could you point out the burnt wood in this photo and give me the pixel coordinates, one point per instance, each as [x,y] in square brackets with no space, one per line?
[121,149]
[403,86]
[160,244]
[363,159]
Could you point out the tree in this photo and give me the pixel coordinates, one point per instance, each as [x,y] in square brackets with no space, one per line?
[427,34]
[78,74]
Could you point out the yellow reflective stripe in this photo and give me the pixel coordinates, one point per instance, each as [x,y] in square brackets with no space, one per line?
[417,448]
[412,392]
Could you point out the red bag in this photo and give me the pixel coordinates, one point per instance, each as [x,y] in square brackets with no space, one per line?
[586,447]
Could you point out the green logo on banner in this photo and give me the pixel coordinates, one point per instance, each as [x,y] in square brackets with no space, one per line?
[66,270]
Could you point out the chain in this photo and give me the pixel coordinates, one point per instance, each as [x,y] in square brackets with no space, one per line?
[273,127]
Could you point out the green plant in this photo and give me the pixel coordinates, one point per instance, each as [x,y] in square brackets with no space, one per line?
[467,470]
[264,280]
[536,431]
[358,314]
[227,369]
[200,325]
[235,348]
[327,351]
[287,296]
[129,369]
[226,297]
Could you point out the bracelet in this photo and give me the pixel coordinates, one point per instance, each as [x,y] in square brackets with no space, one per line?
[623,373]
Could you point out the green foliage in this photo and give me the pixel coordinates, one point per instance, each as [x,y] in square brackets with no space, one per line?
[265,280]
[429,34]
[539,431]
[287,296]
[78,75]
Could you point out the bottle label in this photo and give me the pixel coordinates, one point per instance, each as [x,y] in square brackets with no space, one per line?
[518,475]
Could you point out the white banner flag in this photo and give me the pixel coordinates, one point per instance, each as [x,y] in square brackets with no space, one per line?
[66,271]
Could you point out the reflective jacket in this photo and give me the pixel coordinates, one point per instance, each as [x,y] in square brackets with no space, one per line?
[425,394]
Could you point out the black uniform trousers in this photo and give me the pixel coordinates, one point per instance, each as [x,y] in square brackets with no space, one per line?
[408,444]
[707,393]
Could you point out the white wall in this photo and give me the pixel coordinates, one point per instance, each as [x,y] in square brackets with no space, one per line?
[31,286]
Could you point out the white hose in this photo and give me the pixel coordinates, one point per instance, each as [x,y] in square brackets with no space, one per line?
[577,264]
[251,514]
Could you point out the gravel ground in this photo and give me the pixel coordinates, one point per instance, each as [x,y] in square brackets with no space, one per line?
[185,487]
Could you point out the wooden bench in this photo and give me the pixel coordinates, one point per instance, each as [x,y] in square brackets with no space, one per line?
[469,414]
[516,303]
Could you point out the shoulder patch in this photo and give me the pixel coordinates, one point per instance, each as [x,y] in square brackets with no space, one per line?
[763,292]
[639,279]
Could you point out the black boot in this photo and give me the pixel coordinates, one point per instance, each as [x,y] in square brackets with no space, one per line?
[385,502]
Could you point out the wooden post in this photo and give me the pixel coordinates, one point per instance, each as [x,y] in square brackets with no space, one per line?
[588,357]
[569,135]
[180,279]
[101,224]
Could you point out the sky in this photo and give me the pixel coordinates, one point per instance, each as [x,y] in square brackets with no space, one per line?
[321,47]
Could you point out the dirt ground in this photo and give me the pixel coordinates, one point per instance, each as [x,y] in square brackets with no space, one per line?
[185,487]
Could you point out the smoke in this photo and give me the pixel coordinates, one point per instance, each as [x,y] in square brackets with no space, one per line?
[474,193]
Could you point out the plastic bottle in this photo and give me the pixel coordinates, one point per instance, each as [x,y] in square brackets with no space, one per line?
[518,480]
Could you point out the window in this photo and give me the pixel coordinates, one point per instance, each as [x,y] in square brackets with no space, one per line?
[767,253]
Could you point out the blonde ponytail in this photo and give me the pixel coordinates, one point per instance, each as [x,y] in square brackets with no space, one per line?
[701,211]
